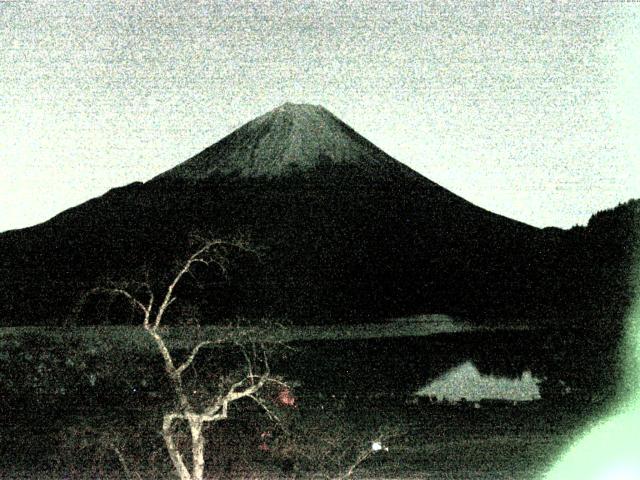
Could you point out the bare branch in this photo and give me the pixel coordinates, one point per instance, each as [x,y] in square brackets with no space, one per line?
[187,363]
[146,310]
[164,351]
[174,452]
[123,463]
[273,380]
[365,453]
[269,413]
[197,257]
[250,375]
[362,456]
[234,393]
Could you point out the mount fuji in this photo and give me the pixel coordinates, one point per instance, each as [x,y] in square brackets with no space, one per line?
[343,233]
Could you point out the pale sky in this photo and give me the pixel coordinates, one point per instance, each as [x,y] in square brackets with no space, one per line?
[528,109]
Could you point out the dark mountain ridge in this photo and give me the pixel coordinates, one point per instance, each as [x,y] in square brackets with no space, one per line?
[344,233]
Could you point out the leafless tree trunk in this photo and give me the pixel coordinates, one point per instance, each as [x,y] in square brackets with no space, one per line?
[196,415]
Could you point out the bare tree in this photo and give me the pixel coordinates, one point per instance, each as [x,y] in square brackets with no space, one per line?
[196,412]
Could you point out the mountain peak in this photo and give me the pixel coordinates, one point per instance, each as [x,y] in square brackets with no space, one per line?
[303,116]
[297,110]
[291,107]
[291,136]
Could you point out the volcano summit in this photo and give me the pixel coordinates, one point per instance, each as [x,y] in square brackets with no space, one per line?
[288,138]
[344,233]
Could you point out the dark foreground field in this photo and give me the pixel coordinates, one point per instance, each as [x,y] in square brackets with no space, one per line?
[83,410]
[436,442]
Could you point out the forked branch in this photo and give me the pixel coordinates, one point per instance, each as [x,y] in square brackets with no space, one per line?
[257,371]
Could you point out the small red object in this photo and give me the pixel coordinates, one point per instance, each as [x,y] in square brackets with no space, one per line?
[286,398]
[263,447]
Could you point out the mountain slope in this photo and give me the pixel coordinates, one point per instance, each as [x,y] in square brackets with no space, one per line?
[289,138]
[344,233]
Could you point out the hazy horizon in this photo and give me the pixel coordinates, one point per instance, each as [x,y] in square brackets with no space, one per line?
[529,110]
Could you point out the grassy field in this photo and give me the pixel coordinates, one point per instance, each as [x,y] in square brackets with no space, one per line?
[70,395]
[435,442]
